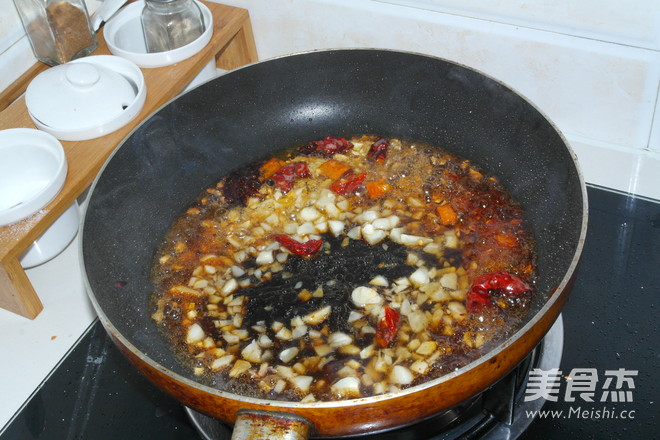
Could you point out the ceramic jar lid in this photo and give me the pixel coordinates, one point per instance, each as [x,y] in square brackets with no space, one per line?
[86,98]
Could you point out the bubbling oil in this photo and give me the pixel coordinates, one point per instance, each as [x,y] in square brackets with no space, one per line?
[250,316]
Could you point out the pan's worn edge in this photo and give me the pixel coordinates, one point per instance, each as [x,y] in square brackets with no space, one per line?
[437,390]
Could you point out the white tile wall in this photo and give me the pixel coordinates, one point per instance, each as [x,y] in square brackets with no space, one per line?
[15,52]
[606,20]
[10,24]
[592,66]
[654,142]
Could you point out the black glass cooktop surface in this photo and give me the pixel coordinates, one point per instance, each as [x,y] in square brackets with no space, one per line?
[606,386]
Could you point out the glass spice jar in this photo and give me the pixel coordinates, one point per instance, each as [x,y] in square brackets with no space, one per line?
[169,24]
[59,30]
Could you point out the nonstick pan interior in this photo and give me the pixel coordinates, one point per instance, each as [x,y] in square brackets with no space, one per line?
[254,111]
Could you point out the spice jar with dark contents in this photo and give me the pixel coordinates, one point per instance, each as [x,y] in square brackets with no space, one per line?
[59,30]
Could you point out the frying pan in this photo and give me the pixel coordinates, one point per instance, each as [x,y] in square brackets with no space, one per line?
[252,112]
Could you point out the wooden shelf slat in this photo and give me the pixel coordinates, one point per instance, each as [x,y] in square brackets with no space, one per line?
[232,45]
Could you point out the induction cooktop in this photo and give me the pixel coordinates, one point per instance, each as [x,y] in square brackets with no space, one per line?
[604,387]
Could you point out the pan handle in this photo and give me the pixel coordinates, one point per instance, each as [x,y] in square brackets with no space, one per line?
[270,425]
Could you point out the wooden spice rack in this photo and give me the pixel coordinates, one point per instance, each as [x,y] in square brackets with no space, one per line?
[232,45]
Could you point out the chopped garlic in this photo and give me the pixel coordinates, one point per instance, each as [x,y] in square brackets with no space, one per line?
[414,240]
[309,214]
[302,383]
[336,227]
[449,281]
[362,296]
[288,354]
[264,257]
[347,387]
[379,280]
[339,339]
[401,375]
[372,235]
[239,368]
[222,362]
[195,334]
[252,352]
[420,277]
[317,316]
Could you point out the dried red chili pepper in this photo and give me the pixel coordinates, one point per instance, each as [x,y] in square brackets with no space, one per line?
[496,282]
[328,146]
[310,247]
[348,184]
[285,177]
[301,170]
[378,150]
[388,326]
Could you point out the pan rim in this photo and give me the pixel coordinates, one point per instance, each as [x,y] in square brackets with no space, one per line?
[294,406]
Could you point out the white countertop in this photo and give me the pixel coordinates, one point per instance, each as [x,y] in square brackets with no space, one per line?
[31,349]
